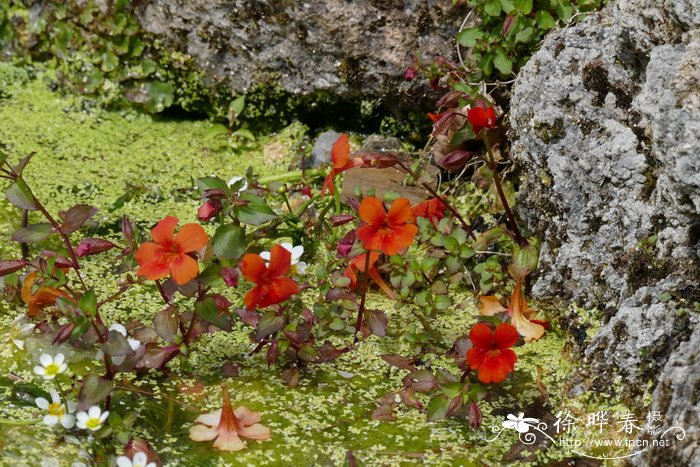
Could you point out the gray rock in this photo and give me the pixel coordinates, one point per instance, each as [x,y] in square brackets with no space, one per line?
[347,49]
[321,152]
[605,119]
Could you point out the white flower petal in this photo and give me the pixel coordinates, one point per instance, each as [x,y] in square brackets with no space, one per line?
[68,421]
[55,398]
[45,359]
[82,417]
[18,343]
[301,267]
[119,328]
[62,368]
[118,359]
[140,458]
[297,251]
[71,406]
[42,403]
[40,370]
[235,179]
[50,420]
[94,412]
[123,461]
[104,416]
[59,359]
[134,344]
[265,255]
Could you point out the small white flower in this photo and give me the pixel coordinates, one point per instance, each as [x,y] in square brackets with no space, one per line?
[92,419]
[139,460]
[58,412]
[298,267]
[19,329]
[519,423]
[243,187]
[50,366]
[133,343]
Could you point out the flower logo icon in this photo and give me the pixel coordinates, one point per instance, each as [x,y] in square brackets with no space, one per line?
[520,423]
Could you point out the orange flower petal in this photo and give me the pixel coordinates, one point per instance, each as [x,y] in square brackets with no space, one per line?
[481,335]
[148,252]
[372,210]
[253,267]
[164,230]
[191,237]
[280,261]
[370,237]
[505,335]
[400,211]
[280,290]
[401,237]
[328,184]
[184,269]
[229,441]
[154,270]
[340,152]
[254,297]
[475,357]
[257,431]
[518,309]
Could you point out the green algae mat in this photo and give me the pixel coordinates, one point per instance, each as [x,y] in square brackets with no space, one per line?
[144,167]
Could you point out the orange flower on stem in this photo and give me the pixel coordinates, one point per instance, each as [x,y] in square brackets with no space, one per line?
[481,117]
[271,282]
[168,254]
[432,209]
[227,426]
[39,299]
[388,232]
[340,156]
[358,264]
[491,354]
[521,315]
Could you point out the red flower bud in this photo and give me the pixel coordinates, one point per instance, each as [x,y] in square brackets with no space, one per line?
[209,209]
[93,246]
[341,219]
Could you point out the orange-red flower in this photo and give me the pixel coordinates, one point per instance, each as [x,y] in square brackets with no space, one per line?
[481,117]
[358,264]
[432,209]
[39,299]
[340,156]
[168,254]
[227,426]
[388,232]
[521,315]
[491,354]
[271,282]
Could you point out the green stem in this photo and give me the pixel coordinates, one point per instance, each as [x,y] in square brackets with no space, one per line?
[290,176]
[6,421]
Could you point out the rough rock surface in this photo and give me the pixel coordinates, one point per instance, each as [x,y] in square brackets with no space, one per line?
[606,122]
[350,49]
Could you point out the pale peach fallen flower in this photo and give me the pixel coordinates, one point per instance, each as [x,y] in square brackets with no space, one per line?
[521,315]
[227,426]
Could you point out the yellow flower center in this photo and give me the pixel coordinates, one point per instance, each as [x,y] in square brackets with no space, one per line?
[56,409]
[93,423]
[52,369]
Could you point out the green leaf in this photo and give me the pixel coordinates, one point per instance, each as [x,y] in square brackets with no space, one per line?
[211,276]
[207,309]
[235,108]
[377,322]
[492,7]
[469,36]
[437,408]
[95,389]
[451,390]
[544,20]
[212,183]
[33,233]
[269,324]
[229,241]
[88,302]
[523,6]
[502,62]
[165,323]
[526,35]
[564,10]
[110,61]
[255,212]
[508,6]
[20,195]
